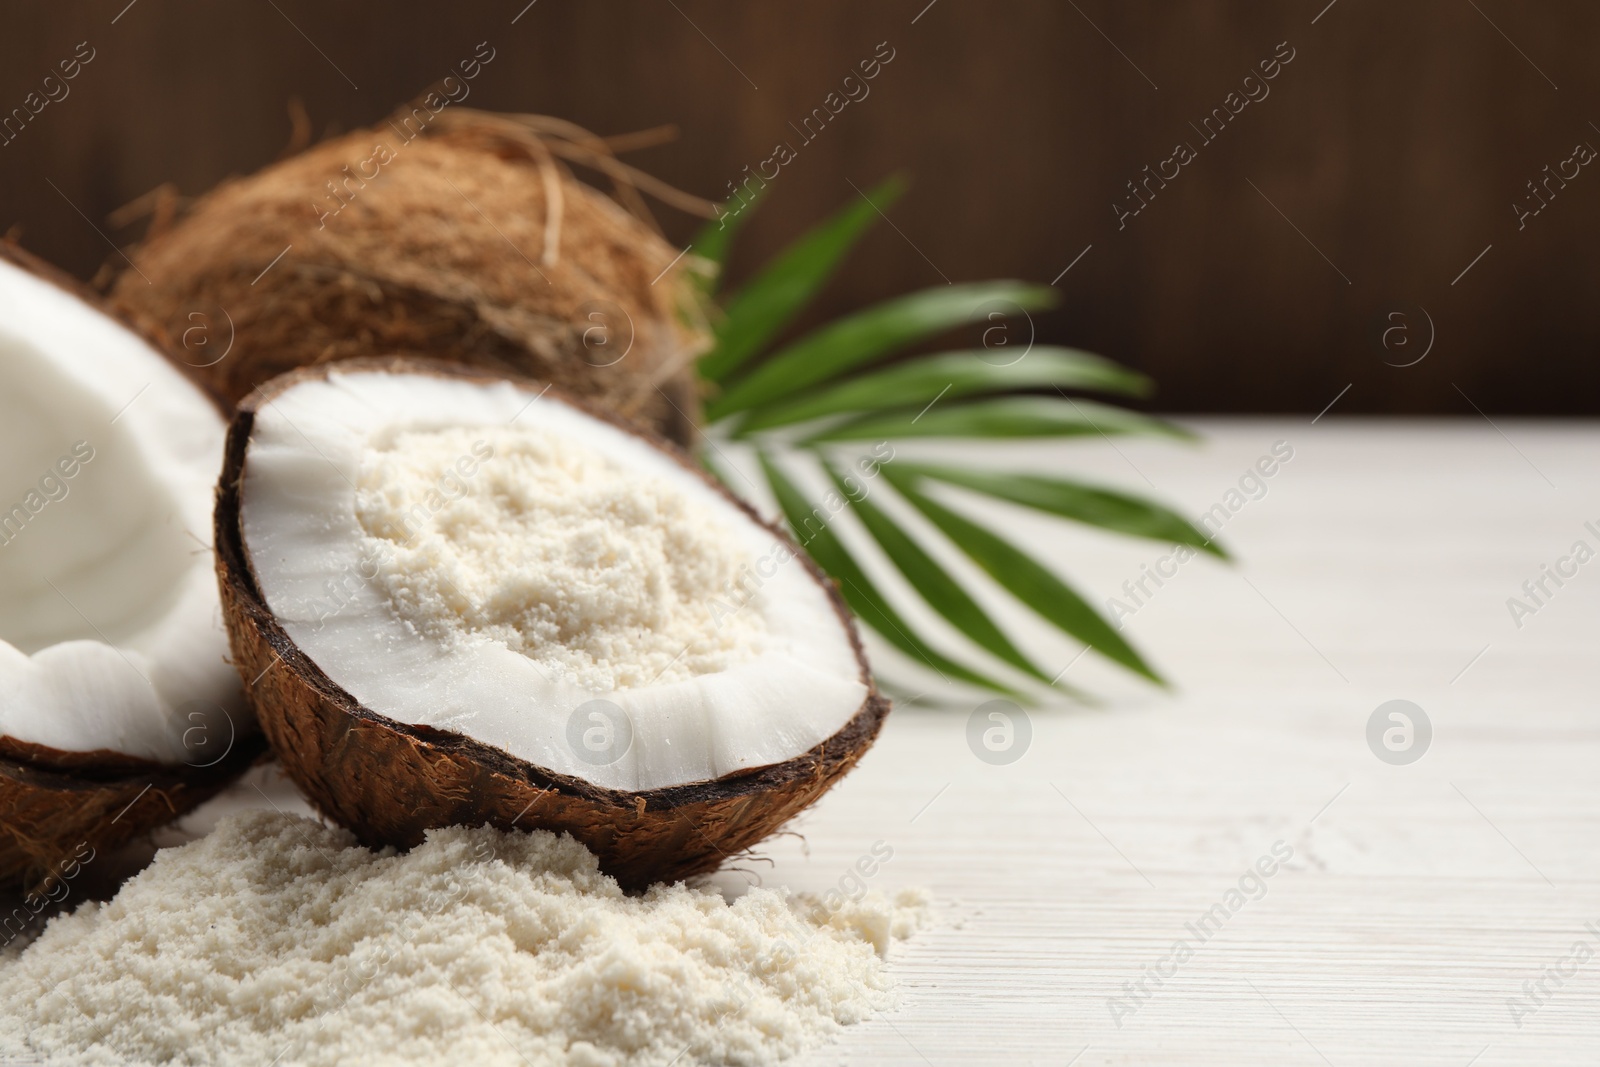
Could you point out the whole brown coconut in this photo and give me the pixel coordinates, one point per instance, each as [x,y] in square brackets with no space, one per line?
[389,781]
[454,234]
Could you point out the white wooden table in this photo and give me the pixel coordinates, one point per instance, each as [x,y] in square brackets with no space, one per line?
[1418,899]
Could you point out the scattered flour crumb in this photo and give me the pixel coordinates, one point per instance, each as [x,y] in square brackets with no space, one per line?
[278,940]
[593,571]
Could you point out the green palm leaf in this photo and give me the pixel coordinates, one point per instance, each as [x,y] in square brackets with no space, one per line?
[817,537]
[770,300]
[932,583]
[951,376]
[1025,578]
[1021,416]
[878,331]
[1092,505]
[829,377]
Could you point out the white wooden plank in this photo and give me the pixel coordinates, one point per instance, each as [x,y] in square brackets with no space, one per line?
[1418,902]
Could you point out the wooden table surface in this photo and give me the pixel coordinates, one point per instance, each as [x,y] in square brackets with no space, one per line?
[1429,913]
[1419,899]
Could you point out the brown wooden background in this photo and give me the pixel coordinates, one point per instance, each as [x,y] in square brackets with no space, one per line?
[1395,143]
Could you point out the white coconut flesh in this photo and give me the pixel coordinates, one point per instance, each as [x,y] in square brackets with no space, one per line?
[111,635]
[481,558]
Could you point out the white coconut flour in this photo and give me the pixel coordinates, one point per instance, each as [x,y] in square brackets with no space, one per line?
[276,940]
[596,573]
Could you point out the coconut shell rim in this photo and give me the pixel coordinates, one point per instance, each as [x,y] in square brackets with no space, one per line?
[235,568]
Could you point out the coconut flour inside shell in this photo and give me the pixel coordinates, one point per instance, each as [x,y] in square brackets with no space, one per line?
[601,576]
[278,940]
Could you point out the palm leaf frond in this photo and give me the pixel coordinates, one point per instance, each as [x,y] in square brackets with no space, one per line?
[1109,509]
[832,389]
[812,527]
[950,376]
[931,582]
[769,301]
[881,330]
[999,418]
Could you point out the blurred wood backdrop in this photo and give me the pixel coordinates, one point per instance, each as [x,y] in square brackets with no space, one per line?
[1387,156]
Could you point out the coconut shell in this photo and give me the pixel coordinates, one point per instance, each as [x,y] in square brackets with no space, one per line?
[56,805]
[389,781]
[456,236]
[53,803]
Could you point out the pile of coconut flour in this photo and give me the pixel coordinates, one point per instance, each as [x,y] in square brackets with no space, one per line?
[278,940]
[597,573]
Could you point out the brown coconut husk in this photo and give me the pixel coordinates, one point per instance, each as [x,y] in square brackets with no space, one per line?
[55,804]
[389,781]
[457,235]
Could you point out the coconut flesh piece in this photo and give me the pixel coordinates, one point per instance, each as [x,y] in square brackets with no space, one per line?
[110,632]
[475,556]
[118,708]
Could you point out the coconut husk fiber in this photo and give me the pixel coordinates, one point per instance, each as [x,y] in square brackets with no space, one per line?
[457,235]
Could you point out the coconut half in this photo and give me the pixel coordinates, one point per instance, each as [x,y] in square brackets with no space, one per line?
[118,709]
[468,599]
